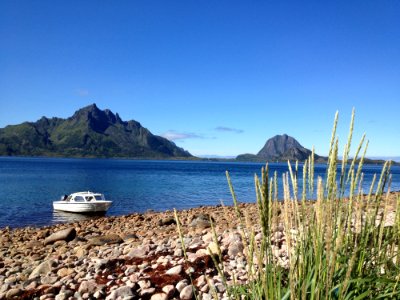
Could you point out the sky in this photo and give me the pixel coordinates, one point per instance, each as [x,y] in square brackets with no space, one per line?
[216,77]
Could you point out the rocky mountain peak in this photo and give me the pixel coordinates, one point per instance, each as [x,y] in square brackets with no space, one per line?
[278,145]
[279,148]
[90,132]
[97,119]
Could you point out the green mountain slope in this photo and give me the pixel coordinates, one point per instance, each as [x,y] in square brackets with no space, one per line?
[90,132]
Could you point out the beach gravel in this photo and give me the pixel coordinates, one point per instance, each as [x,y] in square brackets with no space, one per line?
[137,256]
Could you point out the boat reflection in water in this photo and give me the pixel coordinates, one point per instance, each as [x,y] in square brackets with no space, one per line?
[68,217]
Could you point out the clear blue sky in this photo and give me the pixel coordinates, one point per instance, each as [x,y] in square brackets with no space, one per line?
[218,77]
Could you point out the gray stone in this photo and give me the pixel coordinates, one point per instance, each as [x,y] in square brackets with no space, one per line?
[212,248]
[124,292]
[43,269]
[178,252]
[13,293]
[147,292]
[80,252]
[105,239]
[63,235]
[99,294]
[207,297]
[139,252]
[166,222]
[144,284]
[231,238]
[159,296]
[88,286]
[65,272]
[175,270]
[235,248]
[186,293]
[181,284]
[169,290]
[49,280]
[47,296]
[201,221]
[64,295]
[201,281]
[205,288]
[220,287]
[127,237]
[4,288]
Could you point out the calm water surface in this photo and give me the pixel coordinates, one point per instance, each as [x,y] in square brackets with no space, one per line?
[29,185]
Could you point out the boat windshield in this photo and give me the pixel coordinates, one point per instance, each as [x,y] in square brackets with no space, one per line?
[79,198]
[98,197]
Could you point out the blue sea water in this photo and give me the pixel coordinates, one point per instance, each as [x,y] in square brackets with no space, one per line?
[29,185]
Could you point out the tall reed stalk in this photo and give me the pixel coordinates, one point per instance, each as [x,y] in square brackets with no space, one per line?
[338,245]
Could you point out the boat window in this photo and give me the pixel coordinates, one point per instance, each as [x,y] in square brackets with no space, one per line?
[98,197]
[79,198]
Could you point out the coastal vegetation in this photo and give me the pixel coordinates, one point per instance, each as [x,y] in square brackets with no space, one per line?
[345,246]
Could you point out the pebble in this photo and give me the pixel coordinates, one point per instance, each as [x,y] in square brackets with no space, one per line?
[123,292]
[186,293]
[181,285]
[147,292]
[14,293]
[175,270]
[169,290]
[159,296]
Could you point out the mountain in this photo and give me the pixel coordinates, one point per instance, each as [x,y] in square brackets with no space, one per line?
[283,147]
[279,148]
[90,132]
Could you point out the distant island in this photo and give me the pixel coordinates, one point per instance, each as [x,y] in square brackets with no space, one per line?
[282,148]
[95,133]
[90,132]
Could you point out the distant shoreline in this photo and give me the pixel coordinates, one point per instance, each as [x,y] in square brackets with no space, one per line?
[367,161]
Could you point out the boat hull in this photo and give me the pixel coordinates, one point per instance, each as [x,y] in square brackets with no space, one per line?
[82,207]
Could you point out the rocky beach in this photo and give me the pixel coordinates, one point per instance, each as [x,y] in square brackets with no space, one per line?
[137,256]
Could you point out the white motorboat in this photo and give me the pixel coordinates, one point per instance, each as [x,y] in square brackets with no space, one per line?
[83,202]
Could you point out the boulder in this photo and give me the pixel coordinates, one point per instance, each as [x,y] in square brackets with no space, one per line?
[63,235]
[166,222]
[43,269]
[201,221]
[127,237]
[106,239]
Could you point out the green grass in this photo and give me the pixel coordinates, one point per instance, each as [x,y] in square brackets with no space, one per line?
[337,247]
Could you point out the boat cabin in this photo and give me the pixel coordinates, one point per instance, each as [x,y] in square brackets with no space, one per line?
[83,197]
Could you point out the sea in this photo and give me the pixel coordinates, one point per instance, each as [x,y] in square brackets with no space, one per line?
[28,186]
